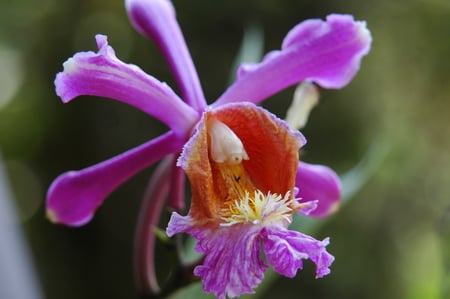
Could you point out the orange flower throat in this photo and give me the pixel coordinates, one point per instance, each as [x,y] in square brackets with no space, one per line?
[244,203]
[241,162]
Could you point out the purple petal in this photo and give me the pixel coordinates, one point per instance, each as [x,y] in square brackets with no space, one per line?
[233,265]
[326,52]
[103,74]
[74,196]
[156,19]
[285,250]
[318,183]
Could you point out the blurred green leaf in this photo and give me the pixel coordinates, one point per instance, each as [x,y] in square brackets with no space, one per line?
[444,232]
[251,50]
[193,291]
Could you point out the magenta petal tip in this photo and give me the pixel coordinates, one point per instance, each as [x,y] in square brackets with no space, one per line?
[65,205]
[319,183]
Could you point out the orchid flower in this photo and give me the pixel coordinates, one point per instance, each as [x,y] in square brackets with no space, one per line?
[242,161]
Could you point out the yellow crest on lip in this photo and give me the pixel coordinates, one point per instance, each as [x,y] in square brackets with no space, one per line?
[263,155]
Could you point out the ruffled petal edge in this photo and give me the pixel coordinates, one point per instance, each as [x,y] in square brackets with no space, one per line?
[285,250]
[233,265]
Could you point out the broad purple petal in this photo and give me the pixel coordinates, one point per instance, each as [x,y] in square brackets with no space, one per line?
[103,74]
[74,196]
[285,250]
[156,19]
[325,52]
[318,183]
[233,265]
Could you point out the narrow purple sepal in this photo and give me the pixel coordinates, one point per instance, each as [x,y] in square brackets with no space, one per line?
[285,250]
[103,74]
[74,196]
[149,217]
[326,52]
[177,191]
[156,19]
[318,183]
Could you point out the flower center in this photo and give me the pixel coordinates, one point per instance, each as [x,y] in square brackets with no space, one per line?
[258,208]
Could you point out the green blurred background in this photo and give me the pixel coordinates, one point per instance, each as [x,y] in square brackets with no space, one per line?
[392,240]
